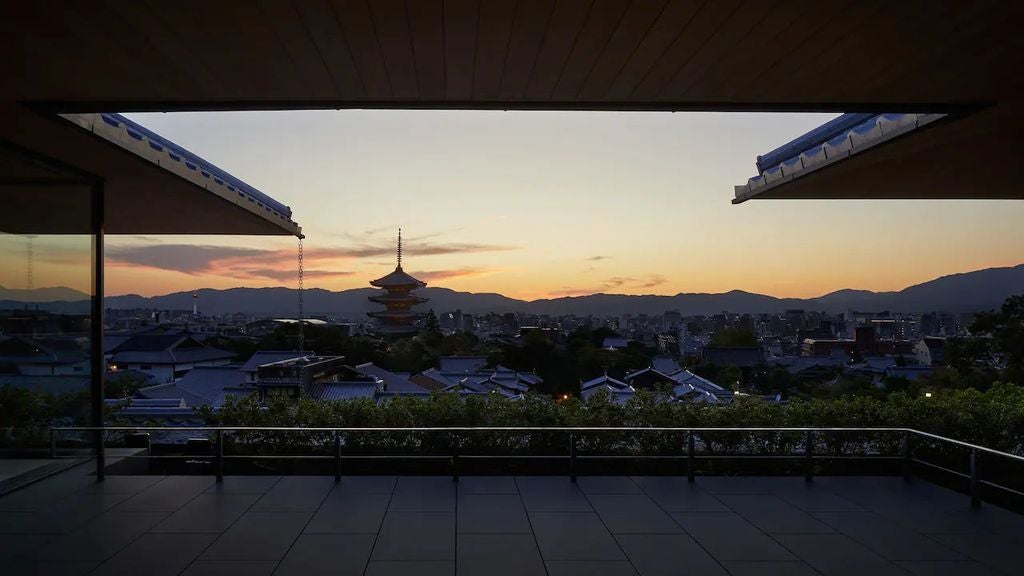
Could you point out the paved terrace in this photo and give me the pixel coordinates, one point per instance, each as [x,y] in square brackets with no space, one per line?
[69,524]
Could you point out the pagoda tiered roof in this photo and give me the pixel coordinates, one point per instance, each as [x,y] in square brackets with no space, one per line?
[398,279]
[397,298]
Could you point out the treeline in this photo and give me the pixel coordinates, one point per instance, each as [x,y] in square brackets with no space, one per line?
[993,418]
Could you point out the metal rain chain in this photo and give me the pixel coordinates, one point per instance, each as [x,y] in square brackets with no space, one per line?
[302,311]
[30,276]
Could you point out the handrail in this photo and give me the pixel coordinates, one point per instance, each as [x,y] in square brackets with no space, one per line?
[967,445]
[538,429]
[808,453]
[545,428]
[490,428]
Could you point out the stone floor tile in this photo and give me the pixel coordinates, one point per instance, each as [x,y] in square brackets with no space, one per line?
[230,568]
[295,494]
[156,555]
[769,568]
[258,536]
[492,513]
[368,484]
[167,495]
[887,538]
[244,485]
[947,568]
[208,513]
[101,538]
[487,485]
[498,555]
[574,536]
[668,555]
[590,568]
[608,485]
[343,512]
[837,555]
[677,494]
[773,515]
[727,536]
[632,513]
[406,568]
[334,554]
[551,494]
[416,536]
[424,494]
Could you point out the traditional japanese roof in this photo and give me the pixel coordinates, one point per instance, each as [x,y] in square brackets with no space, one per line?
[615,342]
[397,298]
[393,383]
[147,178]
[648,370]
[605,380]
[397,279]
[461,364]
[262,357]
[347,390]
[665,364]
[201,386]
[171,356]
[828,144]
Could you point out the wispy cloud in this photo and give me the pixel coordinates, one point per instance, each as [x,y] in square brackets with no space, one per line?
[189,259]
[569,291]
[286,275]
[653,280]
[372,250]
[234,261]
[649,281]
[613,283]
[435,275]
[248,263]
[598,258]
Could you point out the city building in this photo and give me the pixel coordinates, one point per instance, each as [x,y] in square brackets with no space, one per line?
[930,351]
[165,356]
[471,374]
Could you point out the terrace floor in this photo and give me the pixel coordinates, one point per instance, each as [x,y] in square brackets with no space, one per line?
[69,524]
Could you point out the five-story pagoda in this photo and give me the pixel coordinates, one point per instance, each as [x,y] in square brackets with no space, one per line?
[398,299]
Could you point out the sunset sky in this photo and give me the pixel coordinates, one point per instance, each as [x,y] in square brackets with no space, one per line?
[536,204]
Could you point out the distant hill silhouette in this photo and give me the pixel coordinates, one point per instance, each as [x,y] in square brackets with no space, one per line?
[966,292]
[54,294]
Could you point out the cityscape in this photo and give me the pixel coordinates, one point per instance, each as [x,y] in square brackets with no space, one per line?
[523,287]
[169,366]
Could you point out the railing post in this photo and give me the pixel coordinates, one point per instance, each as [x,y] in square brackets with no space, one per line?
[691,457]
[455,457]
[53,444]
[809,456]
[337,456]
[220,455]
[975,494]
[572,457]
[905,453]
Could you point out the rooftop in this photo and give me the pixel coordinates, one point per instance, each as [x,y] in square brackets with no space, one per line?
[501,525]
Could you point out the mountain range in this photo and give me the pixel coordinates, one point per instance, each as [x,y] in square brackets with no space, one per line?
[966,292]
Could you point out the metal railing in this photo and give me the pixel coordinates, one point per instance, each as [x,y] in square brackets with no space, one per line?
[810,436]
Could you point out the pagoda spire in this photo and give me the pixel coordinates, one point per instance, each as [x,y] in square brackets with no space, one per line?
[399,248]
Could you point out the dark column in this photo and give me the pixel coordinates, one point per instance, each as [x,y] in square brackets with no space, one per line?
[99,364]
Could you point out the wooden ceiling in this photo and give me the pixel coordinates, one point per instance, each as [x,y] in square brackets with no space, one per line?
[841,55]
[958,56]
